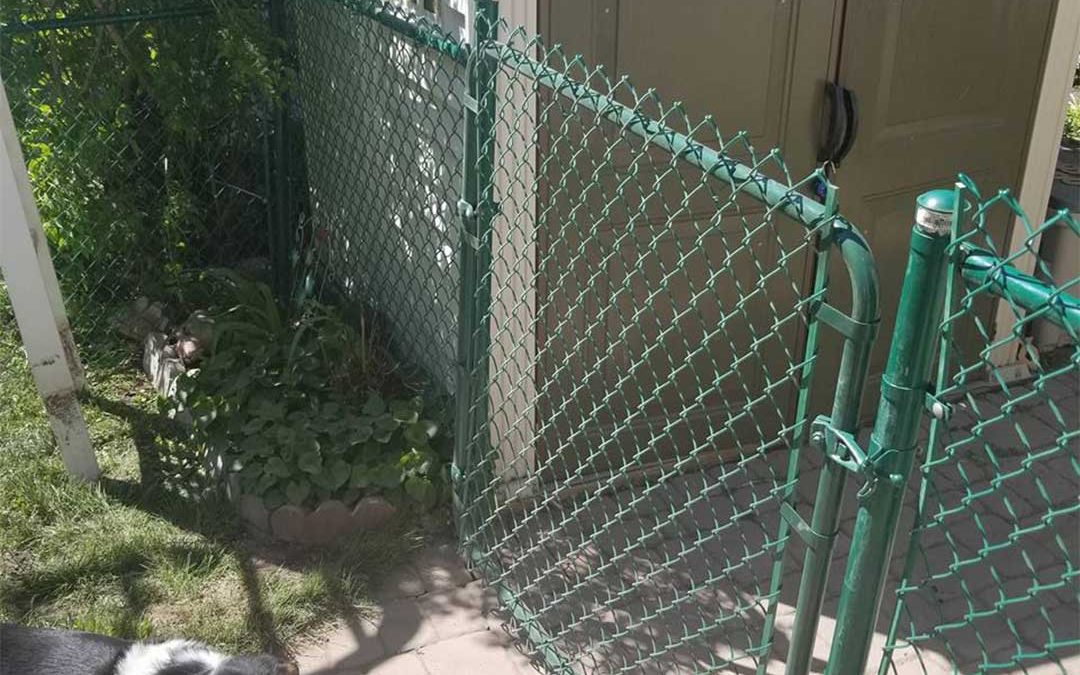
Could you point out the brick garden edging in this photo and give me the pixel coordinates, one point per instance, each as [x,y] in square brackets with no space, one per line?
[326,523]
[322,525]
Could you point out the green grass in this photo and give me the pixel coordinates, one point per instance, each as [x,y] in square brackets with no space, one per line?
[138,555]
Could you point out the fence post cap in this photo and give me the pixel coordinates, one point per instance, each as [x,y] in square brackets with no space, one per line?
[942,201]
[934,214]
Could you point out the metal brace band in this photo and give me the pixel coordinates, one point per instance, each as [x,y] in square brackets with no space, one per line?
[467,215]
[814,540]
[470,239]
[858,331]
[901,396]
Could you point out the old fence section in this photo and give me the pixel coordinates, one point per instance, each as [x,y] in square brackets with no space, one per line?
[629,309]
[141,170]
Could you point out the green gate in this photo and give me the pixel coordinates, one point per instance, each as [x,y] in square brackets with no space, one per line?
[640,333]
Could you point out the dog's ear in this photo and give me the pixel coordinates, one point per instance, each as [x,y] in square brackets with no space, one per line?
[288,668]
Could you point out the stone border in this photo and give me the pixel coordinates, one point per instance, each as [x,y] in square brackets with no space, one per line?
[328,522]
[293,524]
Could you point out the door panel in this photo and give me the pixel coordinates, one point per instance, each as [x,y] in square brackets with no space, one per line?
[941,87]
[670,358]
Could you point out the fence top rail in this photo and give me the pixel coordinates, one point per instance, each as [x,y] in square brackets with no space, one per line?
[983,270]
[749,180]
[1015,272]
[106,18]
[746,179]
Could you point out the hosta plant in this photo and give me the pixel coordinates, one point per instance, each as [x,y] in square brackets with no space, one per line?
[288,399]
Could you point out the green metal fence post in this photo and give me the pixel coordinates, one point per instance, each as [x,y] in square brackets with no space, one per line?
[476,210]
[279,198]
[891,452]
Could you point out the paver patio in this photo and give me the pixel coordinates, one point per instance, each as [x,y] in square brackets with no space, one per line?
[436,618]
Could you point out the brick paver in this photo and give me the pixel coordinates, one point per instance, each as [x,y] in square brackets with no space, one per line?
[435,619]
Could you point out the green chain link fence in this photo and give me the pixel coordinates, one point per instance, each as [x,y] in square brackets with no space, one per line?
[638,317]
[144,135]
[628,306]
[990,582]
[381,113]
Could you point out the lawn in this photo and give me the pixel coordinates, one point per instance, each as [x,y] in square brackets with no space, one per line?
[145,552]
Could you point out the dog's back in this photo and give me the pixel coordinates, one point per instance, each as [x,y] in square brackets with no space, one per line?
[39,651]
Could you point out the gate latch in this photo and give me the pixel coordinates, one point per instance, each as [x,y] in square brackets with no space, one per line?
[839,446]
[842,448]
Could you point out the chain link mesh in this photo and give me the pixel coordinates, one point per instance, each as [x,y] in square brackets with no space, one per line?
[640,356]
[640,388]
[382,111]
[990,582]
[637,299]
[145,156]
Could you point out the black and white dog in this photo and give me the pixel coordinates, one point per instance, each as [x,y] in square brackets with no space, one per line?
[40,651]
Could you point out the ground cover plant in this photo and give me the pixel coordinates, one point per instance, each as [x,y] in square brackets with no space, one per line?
[304,407]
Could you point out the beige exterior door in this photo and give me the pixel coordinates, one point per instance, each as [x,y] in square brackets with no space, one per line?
[940,88]
[614,387]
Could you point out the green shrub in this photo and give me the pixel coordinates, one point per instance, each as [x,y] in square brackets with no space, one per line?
[144,141]
[1072,120]
[288,398]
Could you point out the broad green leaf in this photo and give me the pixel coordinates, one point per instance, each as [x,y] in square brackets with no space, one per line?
[421,490]
[338,473]
[253,426]
[405,412]
[273,499]
[374,405]
[297,491]
[266,482]
[361,476]
[417,433]
[278,467]
[310,462]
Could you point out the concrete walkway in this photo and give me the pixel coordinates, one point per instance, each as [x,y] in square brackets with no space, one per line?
[433,619]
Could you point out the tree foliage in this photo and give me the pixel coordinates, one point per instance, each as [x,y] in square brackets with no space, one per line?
[144,139]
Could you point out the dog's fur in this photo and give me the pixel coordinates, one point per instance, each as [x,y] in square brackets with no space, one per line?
[40,651]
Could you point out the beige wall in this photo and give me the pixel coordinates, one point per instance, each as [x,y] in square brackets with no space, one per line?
[513,327]
[1049,120]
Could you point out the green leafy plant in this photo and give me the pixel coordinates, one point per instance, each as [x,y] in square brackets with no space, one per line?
[288,397]
[144,141]
[1072,120]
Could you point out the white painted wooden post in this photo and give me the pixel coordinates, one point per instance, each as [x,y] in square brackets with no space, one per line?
[39,310]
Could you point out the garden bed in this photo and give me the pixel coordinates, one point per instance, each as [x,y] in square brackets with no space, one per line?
[300,415]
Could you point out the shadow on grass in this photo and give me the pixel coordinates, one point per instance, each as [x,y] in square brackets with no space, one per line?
[172,486]
[129,568]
